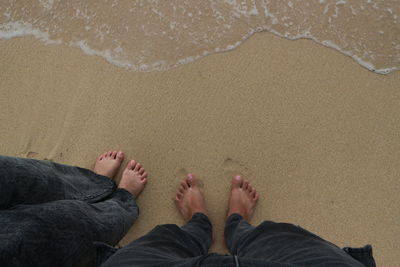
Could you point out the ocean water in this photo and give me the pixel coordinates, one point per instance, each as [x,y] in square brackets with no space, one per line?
[150,35]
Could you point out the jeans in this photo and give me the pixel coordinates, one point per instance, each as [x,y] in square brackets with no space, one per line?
[269,244]
[57,215]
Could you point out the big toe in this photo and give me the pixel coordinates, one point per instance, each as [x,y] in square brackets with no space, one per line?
[120,156]
[191,180]
[237,181]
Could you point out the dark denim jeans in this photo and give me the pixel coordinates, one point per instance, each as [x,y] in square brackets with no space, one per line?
[269,244]
[57,215]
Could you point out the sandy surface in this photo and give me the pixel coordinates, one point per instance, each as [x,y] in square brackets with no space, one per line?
[317,134]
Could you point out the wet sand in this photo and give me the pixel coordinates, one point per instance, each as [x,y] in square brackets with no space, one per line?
[316,133]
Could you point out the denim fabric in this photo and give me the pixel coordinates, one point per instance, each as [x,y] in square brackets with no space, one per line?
[57,215]
[283,243]
[268,245]
[363,255]
[167,245]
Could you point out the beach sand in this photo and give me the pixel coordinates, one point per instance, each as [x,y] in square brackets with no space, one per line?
[316,134]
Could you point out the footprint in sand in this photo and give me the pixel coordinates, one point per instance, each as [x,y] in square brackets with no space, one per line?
[233,167]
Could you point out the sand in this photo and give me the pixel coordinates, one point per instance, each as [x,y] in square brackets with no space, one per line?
[317,134]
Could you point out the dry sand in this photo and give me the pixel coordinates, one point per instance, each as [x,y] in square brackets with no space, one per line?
[317,134]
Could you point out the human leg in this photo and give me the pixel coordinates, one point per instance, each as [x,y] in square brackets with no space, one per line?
[242,203]
[63,232]
[275,242]
[60,233]
[29,181]
[170,245]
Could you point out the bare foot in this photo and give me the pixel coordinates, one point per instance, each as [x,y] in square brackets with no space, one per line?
[108,163]
[243,199]
[134,178]
[189,199]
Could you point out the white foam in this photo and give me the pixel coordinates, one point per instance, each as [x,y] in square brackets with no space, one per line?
[18,29]
[241,13]
[48,4]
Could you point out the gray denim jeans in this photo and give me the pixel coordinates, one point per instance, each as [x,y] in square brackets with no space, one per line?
[269,244]
[57,215]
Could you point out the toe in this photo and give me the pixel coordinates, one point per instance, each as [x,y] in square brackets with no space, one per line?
[184,185]
[250,188]
[178,197]
[114,154]
[181,190]
[141,171]
[120,155]
[191,180]
[237,181]
[144,175]
[245,184]
[131,165]
[256,197]
[109,154]
[137,167]
[102,156]
[144,180]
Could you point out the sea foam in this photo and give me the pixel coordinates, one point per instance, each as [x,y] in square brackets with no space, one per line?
[149,35]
